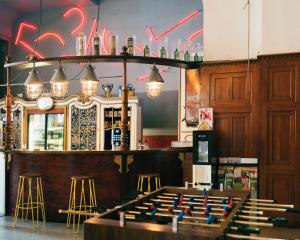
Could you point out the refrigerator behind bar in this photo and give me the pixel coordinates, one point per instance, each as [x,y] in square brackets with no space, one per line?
[46,131]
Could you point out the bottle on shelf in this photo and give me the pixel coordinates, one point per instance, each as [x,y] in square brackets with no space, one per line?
[176,54]
[131,40]
[113,44]
[96,43]
[187,56]
[146,51]
[163,48]
[80,44]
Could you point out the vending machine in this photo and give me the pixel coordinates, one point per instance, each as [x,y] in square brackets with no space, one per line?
[204,164]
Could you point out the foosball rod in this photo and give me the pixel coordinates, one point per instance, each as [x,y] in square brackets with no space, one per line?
[195,199]
[239,236]
[270,204]
[199,196]
[293,210]
[185,202]
[219,197]
[61,211]
[184,206]
[177,210]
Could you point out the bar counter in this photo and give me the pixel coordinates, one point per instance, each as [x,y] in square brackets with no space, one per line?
[115,173]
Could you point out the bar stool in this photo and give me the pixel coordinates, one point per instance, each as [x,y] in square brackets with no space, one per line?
[75,209]
[155,176]
[31,205]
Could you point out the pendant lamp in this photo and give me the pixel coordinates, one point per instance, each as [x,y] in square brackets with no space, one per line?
[59,84]
[33,85]
[89,82]
[154,83]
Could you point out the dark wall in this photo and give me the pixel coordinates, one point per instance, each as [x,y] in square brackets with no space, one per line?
[3,54]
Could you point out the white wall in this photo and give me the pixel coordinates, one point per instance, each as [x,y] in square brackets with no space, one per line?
[225,26]
[281,26]
[274,28]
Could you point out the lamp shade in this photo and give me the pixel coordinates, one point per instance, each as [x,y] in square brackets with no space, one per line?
[154,83]
[89,82]
[33,85]
[59,84]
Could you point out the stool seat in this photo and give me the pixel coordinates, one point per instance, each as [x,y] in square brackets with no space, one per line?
[31,175]
[81,177]
[148,177]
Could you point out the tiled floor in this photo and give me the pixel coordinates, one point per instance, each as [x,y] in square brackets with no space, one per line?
[47,231]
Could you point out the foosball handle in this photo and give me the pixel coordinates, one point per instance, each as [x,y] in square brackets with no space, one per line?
[248,230]
[293,210]
[278,220]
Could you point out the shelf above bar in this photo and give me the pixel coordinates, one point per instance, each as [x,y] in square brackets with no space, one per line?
[105,58]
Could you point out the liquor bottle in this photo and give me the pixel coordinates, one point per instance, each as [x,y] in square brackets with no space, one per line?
[176,54]
[80,44]
[130,45]
[96,44]
[146,51]
[113,42]
[187,56]
[163,52]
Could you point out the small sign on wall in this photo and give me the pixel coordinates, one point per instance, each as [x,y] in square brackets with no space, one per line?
[205,119]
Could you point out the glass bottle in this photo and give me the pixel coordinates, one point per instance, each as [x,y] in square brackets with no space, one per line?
[186,56]
[113,44]
[96,43]
[163,48]
[176,54]
[198,52]
[163,52]
[146,51]
[80,44]
[131,40]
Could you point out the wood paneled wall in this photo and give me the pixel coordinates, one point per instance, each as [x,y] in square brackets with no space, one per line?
[256,114]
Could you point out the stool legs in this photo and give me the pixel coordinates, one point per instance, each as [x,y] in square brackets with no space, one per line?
[82,207]
[30,204]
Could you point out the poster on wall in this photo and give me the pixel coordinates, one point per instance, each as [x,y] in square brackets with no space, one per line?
[205,119]
[192,97]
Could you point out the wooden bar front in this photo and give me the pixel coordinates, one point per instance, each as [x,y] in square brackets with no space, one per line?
[115,173]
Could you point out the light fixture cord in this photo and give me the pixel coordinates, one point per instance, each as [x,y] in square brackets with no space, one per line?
[40,24]
[98,16]
[248,40]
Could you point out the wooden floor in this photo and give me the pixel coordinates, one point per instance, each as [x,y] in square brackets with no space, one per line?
[48,231]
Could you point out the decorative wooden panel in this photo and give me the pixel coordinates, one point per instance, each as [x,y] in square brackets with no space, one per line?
[232,134]
[83,128]
[230,88]
[281,138]
[281,81]
[222,128]
[281,188]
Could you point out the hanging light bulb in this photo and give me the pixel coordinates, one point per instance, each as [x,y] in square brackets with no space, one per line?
[154,83]
[33,85]
[89,82]
[59,84]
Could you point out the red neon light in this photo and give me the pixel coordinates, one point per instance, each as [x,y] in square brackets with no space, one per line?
[91,35]
[21,29]
[144,77]
[28,47]
[51,34]
[80,12]
[176,25]
[194,35]
[104,40]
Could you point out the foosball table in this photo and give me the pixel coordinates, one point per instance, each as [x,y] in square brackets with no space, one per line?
[179,213]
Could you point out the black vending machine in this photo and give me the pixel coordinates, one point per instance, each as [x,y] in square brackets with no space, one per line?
[204,164]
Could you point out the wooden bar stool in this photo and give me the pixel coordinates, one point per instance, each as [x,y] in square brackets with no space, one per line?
[148,177]
[76,208]
[34,205]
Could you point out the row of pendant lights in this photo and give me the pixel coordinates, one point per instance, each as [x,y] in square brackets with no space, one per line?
[88,83]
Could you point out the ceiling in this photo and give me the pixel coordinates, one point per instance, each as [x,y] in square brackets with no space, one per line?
[27,6]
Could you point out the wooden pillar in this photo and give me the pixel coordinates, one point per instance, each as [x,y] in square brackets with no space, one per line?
[9,102]
[124,109]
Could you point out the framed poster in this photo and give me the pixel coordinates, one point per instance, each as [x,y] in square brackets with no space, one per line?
[205,119]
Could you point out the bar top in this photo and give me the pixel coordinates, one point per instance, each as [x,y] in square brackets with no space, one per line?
[182,149]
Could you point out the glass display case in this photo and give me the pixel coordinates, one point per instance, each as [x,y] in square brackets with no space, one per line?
[112,130]
[46,131]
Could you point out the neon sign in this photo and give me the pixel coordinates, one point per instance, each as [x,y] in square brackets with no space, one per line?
[53,35]
[81,14]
